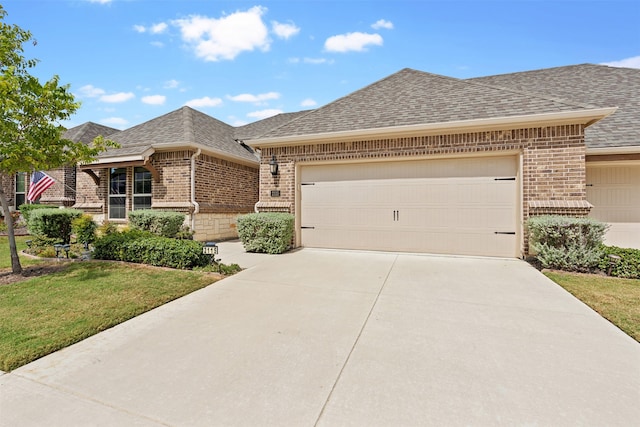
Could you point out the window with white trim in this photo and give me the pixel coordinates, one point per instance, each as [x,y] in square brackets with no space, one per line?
[118,193]
[21,189]
[141,188]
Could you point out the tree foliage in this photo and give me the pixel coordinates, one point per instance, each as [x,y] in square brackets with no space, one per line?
[30,116]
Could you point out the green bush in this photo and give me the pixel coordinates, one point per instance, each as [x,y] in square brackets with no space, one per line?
[84,227]
[269,232]
[161,223]
[144,247]
[566,243]
[107,228]
[26,209]
[53,223]
[628,266]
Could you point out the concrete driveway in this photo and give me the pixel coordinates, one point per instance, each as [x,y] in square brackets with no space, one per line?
[331,338]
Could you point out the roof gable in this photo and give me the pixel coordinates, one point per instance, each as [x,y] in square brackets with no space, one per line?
[87,132]
[184,126]
[411,97]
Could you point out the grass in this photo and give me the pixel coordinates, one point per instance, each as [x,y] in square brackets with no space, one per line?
[5,256]
[44,314]
[617,300]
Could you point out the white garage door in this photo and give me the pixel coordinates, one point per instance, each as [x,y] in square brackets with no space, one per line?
[614,192]
[452,206]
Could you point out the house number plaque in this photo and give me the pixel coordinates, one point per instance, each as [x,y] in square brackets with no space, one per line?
[275,193]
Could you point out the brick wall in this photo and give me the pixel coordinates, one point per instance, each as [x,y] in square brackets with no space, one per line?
[553,171]
[62,193]
[224,186]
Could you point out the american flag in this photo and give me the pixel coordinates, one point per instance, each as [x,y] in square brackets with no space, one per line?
[40,181]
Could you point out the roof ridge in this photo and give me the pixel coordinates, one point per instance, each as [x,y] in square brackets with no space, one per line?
[187,120]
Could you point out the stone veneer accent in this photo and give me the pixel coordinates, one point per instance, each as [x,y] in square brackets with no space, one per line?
[553,163]
[216,226]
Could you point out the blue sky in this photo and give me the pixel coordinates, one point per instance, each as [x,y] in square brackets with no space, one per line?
[129,61]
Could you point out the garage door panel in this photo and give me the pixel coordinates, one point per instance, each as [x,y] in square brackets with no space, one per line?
[452,214]
[614,192]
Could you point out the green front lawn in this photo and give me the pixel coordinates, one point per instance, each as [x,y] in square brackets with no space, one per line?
[44,314]
[5,255]
[617,300]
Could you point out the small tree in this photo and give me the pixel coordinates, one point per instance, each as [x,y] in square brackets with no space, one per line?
[30,112]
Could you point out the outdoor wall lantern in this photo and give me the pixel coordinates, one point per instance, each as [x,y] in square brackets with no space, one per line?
[273,165]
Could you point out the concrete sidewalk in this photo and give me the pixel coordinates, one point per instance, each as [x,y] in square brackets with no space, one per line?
[318,337]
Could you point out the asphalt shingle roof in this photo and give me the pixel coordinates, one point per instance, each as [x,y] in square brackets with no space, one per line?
[87,132]
[411,97]
[259,128]
[599,85]
[185,126]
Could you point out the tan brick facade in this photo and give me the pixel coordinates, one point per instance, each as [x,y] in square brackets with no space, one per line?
[224,186]
[223,191]
[553,163]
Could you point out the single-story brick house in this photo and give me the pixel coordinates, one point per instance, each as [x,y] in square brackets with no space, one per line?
[184,161]
[427,163]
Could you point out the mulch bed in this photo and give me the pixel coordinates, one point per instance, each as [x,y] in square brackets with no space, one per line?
[7,277]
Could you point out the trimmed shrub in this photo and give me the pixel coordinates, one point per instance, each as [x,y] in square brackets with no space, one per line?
[628,266]
[84,227]
[26,209]
[566,243]
[53,223]
[160,223]
[144,247]
[269,232]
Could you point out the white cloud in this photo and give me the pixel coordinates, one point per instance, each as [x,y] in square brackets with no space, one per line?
[158,28]
[225,38]
[99,1]
[263,114]
[114,121]
[633,62]
[382,23]
[154,99]
[90,91]
[117,97]
[284,31]
[247,97]
[204,102]
[316,61]
[357,42]
[171,84]
[308,103]
[294,60]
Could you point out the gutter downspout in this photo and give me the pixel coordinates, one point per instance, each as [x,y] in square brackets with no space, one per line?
[196,206]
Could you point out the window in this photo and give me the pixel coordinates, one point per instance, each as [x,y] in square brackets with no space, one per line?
[118,193]
[141,188]
[21,189]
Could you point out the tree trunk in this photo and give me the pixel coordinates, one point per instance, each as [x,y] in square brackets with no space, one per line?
[16,268]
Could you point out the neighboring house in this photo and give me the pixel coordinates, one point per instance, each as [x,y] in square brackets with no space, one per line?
[183,161]
[425,163]
[612,144]
[63,192]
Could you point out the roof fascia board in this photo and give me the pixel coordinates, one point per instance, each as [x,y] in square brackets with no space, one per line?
[207,150]
[165,147]
[122,159]
[632,149]
[587,117]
